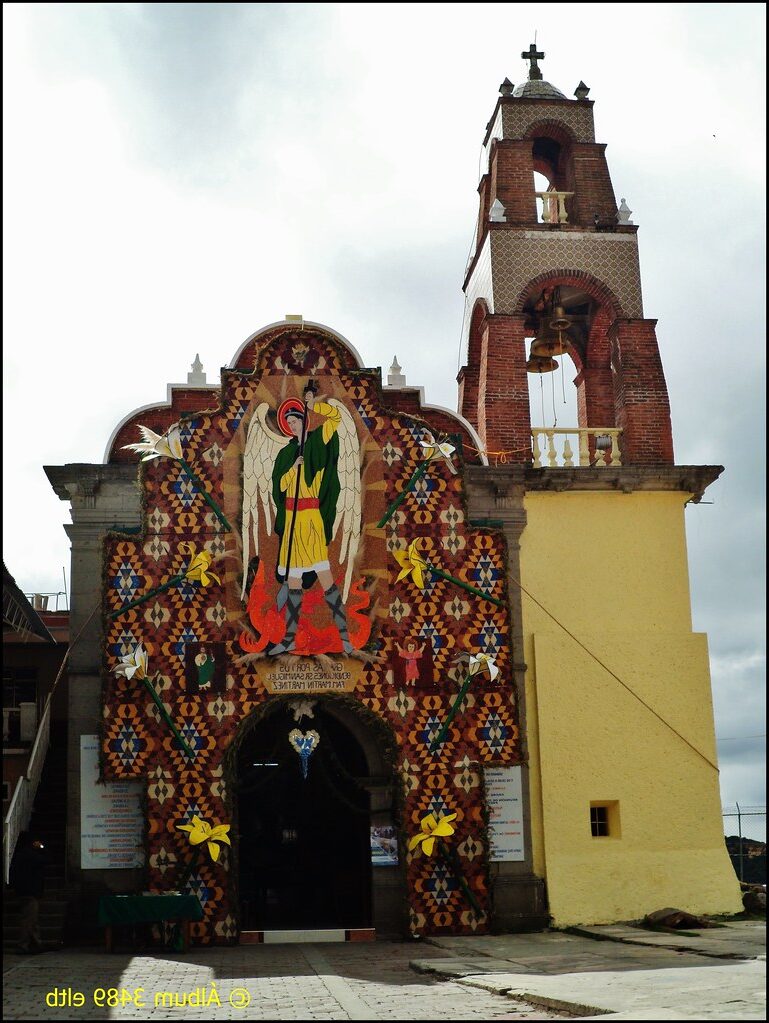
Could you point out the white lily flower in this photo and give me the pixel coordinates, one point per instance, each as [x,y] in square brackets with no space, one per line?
[157,445]
[134,665]
[433,449]
[483,662]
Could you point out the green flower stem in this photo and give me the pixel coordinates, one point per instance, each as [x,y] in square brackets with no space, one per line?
[452,714]
[453,863]
[166,716]
[205,494]
[464,586]
[418,473]
[173,581]
[192,862]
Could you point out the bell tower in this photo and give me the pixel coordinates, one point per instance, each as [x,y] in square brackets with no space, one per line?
[558,266]
[612,683]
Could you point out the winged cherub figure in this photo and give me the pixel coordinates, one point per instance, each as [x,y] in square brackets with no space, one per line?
[305,482]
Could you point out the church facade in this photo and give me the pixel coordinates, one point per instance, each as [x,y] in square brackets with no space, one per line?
[376,667]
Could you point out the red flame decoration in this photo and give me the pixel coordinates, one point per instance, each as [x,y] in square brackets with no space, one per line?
[270,624]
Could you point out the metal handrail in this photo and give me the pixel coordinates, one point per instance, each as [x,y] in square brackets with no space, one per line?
[20,810]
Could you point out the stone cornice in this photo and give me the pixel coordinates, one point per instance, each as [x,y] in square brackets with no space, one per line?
[501,479]
[86,478]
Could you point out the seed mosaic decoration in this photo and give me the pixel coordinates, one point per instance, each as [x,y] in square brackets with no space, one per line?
[301,537]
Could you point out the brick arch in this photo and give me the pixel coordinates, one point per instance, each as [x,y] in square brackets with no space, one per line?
[479,314]
[575,279]
[553,129]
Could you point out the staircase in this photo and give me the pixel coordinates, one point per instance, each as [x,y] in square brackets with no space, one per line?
[48,823]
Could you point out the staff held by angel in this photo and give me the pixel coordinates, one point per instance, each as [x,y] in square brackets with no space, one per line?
[304,482]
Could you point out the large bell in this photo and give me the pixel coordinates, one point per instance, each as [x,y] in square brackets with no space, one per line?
[548,343]
[560,320]
[538,364]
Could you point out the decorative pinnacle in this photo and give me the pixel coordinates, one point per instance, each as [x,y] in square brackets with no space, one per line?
[395,378]
[533,55]
[581,91]
[197,376]
[506,88]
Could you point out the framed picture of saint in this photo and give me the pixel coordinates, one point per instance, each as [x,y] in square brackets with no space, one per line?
[204,665]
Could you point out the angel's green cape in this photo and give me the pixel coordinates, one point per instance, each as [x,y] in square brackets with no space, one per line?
[317,455]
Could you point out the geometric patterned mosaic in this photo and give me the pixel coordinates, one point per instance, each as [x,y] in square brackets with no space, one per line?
[136,743]
[518,257]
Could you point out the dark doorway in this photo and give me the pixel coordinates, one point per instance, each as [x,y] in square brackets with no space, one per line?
[304,843]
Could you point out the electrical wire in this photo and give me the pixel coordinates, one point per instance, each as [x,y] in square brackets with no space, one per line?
[616,677]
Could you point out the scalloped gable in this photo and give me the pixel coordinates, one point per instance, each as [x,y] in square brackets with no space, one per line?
[308,348]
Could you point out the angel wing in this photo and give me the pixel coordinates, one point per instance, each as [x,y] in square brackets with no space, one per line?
[262,447]
[348,508]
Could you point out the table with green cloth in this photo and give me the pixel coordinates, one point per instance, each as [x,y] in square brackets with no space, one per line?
[125,910]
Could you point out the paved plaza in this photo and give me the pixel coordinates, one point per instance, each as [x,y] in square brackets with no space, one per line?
[621,971]
[277,982]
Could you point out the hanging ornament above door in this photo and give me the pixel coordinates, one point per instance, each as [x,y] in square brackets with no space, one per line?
[305,744]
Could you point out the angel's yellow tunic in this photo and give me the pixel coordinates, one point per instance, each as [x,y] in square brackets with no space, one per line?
[309,551]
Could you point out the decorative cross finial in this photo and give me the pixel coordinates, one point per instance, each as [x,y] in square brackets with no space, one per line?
[533,55]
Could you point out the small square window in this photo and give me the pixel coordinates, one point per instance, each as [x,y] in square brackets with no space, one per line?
[604,818]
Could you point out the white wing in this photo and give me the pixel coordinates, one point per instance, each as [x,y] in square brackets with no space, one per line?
[262,447]
[348,509]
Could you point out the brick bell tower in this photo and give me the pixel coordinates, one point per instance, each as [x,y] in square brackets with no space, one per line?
[612,684]
[567,255]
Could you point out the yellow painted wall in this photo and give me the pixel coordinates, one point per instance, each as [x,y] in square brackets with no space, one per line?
[613,569]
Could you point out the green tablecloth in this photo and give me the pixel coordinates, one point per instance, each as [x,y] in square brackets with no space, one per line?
[138,909]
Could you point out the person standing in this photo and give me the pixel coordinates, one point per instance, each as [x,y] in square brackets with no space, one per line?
[27,880]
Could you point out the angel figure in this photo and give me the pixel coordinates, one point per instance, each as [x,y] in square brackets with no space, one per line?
[411,655]
[307,484]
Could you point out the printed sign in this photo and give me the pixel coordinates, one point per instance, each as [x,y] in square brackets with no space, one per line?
[111,818]
[384,846]
[504,798]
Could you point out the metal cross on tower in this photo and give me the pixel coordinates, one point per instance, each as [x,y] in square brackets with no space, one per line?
[533,55]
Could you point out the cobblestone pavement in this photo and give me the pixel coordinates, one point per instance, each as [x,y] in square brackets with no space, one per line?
[280,982]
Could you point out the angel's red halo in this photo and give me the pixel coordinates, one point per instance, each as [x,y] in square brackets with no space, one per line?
[289,405]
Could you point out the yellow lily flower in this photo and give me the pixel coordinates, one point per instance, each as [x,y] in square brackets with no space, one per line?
[412,563]
[432,829]
[156,445]
[134,665]
[197,571]
[201,831]
[483,662]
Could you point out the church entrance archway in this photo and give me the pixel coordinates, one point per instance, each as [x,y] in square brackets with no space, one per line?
[304,825]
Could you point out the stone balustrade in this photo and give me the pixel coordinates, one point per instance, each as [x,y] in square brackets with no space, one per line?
[596,446]
[554,206]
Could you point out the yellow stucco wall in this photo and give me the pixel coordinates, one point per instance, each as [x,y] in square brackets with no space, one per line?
[613,569]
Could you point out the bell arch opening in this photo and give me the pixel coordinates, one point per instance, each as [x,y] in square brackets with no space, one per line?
[571,382]
[314,804]
[552,163]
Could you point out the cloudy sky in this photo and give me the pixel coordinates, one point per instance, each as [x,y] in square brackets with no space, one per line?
[179,175]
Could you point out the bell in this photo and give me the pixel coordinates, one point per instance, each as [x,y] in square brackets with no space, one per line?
[560,320]
[602,442]
[549,343]
[538,364]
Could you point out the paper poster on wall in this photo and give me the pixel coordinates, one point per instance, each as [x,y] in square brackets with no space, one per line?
[384,846]
[111,818]
[504,798]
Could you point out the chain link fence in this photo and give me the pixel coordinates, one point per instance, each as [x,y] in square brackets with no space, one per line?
[741,812]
